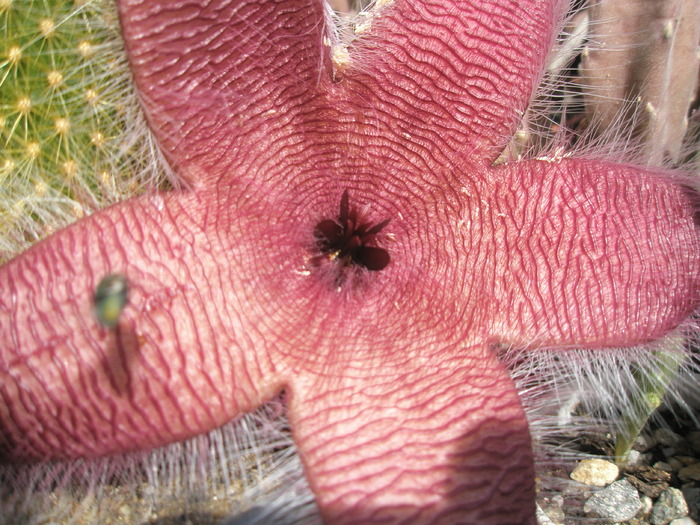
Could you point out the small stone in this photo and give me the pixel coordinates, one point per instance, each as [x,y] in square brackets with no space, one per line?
[619,502]
[644,442]
[692,498]
[669,451]
[690,473]
[633,458]
[542,518]
[667,437]
[661,465]
[675,464]
[596,472]
[552,509]
[693,439]
[683,521]
[671,505]
[687,460]
[647,504]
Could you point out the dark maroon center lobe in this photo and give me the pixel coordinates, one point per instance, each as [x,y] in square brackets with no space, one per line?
[349,241]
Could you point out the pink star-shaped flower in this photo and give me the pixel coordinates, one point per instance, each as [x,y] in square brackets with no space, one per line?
[345,237]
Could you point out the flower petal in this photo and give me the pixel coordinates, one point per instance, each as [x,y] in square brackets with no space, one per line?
[591,253]
[214,74]
[452,76]
[182,358]
[445,442]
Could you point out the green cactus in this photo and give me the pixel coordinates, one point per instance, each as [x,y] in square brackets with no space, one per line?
[72,135]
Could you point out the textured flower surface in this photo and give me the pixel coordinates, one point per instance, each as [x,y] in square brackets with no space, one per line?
[378,318]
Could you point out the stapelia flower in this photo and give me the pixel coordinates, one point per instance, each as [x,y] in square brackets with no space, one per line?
[377,317]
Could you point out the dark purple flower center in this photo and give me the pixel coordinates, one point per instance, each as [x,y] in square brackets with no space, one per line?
[349,241]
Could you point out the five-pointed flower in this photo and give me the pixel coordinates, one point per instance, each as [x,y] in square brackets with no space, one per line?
[251,281]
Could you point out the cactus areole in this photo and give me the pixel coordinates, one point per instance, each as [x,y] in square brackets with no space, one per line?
[378,318]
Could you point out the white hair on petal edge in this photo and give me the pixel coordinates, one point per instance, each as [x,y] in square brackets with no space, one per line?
[579,402]
[573,397]
[246,468]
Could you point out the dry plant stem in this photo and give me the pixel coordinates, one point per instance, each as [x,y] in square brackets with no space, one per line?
[644,52]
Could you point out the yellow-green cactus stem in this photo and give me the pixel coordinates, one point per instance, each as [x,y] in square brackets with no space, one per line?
[72,138]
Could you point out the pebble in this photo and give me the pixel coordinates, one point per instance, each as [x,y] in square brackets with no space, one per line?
[633,458]
[671,505]
[596,472]
[542,518]
[551,509]
[661,465]
[693,439]
[692,498]
[619,502]
[667,437]
[675,464]
[690,473]
[644,442]
[668,451]
[683,521]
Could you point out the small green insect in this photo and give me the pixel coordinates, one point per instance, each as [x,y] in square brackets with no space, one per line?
[110,299]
